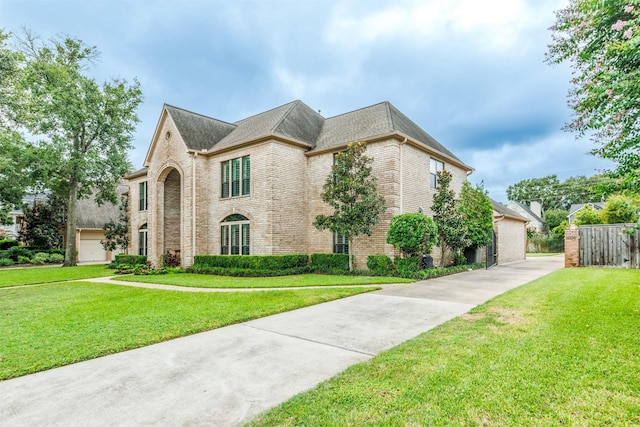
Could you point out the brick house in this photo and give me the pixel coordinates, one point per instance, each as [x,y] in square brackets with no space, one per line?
[253,186]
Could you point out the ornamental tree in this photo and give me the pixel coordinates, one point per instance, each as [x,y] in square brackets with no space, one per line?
[84,129]
[116,233]
[414,234]
[352,192]
[452,231]
[600,39]
[476,209]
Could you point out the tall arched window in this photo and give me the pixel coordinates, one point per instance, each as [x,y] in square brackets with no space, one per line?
[143,239]
[234,235]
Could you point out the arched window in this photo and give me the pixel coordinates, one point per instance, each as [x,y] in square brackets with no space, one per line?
[234,235]
[143,239]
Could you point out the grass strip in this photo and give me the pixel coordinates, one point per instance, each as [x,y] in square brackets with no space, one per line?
[58,324]
[564,349]
[302,280]
[34,275]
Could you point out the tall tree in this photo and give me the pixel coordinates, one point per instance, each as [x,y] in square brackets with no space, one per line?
[476,209]
[452,230]
[543,190]
[600,40]
[86,128]
[43,223]
[352,192]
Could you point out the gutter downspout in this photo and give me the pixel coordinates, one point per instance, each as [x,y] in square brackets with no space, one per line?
[193,207]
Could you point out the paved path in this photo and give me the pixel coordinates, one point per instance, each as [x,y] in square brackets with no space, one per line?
[227,376]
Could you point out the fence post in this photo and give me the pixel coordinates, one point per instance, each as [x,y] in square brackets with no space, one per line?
[572,246]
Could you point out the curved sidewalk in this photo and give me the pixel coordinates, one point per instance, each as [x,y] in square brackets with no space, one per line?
[227,376]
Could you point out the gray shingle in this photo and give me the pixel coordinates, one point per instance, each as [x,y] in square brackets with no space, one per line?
[199,132]
[503,210]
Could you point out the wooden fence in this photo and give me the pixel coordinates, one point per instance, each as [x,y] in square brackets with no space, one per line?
[609,245]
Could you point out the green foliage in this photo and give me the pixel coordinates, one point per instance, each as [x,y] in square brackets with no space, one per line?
[22,259]
[56,258]
[19,251]
[450,223]
[246,272]
[413,234]
[5,262]
[477,211]
[43,223]
[116,233]
[130,259]
[8,243]
[600,40]
[84,129]
[253,262]
[588,215]
[329,262]
[407,267]
[380,264]
[351,191]
[555,217]
[619,209]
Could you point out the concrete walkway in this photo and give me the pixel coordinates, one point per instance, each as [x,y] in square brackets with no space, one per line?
[227,376]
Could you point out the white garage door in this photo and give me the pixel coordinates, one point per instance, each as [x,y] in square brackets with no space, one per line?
[91,250]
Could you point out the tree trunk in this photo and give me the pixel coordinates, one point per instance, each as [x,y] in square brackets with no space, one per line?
[70,246]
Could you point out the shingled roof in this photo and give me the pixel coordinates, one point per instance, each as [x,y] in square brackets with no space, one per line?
[299,122]
[503,210]
[92,216]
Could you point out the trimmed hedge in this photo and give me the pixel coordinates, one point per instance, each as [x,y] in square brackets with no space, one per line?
[330,262]
[407,267]
[8,243]
[130,259]
[380,264]
[253,262]
[245,272]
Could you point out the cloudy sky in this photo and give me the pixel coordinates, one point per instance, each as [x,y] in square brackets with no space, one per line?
[471,73]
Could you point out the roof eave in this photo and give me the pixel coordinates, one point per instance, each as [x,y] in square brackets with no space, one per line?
[257,140]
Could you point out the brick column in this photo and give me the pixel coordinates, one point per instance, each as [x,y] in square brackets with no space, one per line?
[572,246]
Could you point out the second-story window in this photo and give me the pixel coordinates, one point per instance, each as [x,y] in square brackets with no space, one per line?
[435,166]
[236,177]
[143,196]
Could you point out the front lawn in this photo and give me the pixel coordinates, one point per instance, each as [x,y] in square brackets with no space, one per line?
[302,280]
[562,350]
[58,324]
[34,275]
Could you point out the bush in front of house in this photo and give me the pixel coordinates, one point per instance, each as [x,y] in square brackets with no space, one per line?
[254,262]
[132,260]
[8,243]
[40,258]
[5,262]
[16,252]
[330,263]
[250,265]
[381,265]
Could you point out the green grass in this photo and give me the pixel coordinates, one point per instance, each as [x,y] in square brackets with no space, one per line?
[58,324]
[212,281]
[34,275]
[564,349]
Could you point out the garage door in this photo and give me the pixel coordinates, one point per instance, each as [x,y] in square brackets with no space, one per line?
[91,250]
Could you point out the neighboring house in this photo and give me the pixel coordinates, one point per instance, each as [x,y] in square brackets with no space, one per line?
[533,213]
[253,186]
[576,207]
[91,219]
[89,228]
[510,229]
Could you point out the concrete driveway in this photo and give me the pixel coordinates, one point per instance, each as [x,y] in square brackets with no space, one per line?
[227,376]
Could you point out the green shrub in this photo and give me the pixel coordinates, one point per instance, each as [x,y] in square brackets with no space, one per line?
[414,234]
[19,251]
[245,272]
[380,264]
[4,254]
[130,259]
[8,243]
[22,259]
[253,262]
[330,262]
[56,258]
[407,267]
[5,262]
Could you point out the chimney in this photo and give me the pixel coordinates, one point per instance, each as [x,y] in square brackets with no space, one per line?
[536,208]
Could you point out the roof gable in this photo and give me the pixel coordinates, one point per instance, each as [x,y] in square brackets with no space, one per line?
[503,210]
[199,132]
